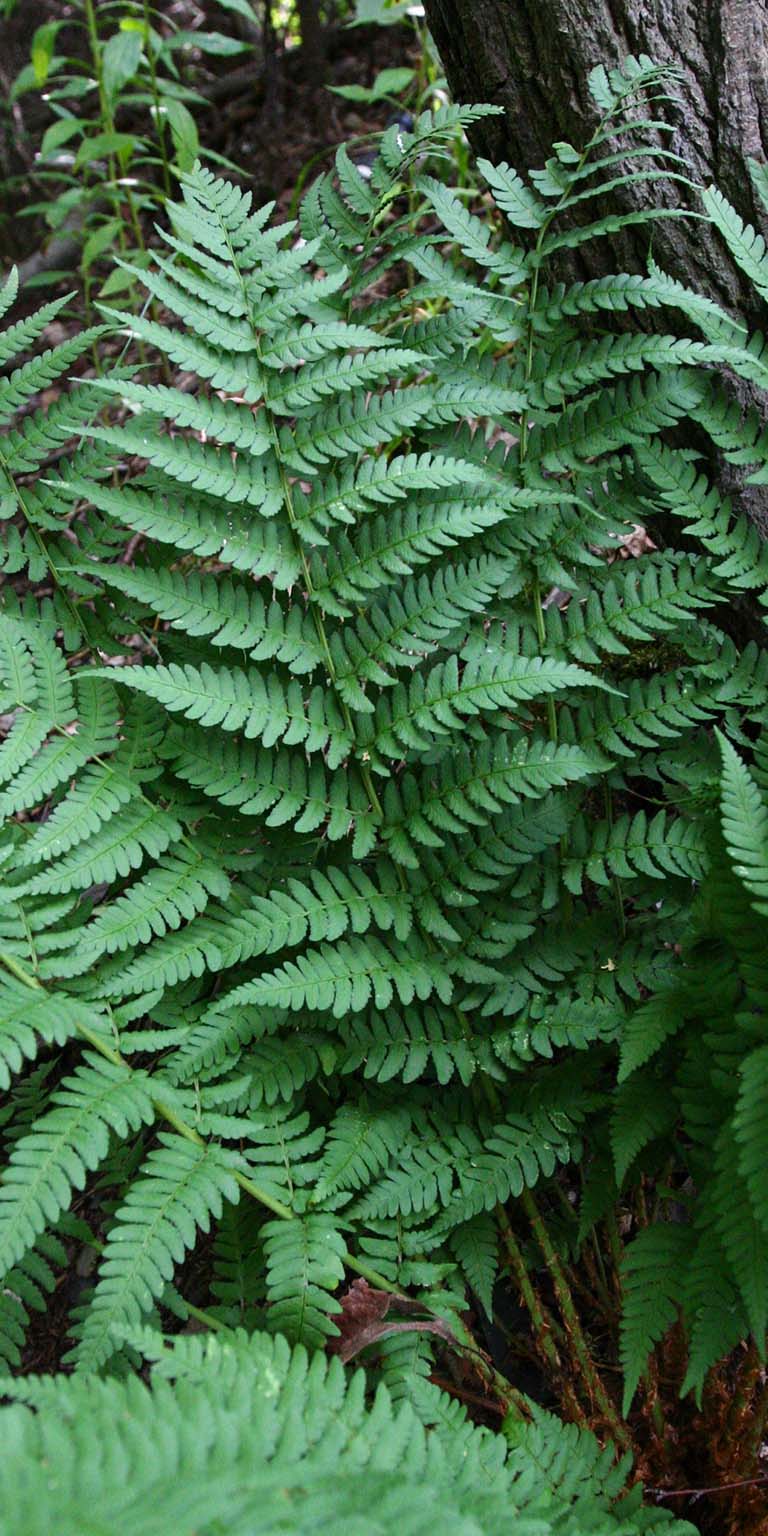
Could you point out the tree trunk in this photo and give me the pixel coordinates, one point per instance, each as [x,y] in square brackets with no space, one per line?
[533,56]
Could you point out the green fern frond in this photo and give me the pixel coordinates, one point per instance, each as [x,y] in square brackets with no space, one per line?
[176,889]
[236,700]
[745,825]
[226,612]
[652,1280]
[746,246]
[346,978]
[647,1028]
[362,1138]
[641,1113]
[475,1246]
[655,846]
[305,1264]
[751,1131]
[714,1312]
[69,1141]
[181,1186]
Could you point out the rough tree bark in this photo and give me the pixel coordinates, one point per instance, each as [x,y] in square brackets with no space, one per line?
[533,56]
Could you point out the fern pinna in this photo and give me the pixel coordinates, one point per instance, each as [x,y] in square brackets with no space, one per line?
[348,883]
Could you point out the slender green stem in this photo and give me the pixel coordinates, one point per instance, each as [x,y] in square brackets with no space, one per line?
[107,120]
[206,1318]
[108,124]
[544,1326]
[598,1393]
[159,119]
[11,964]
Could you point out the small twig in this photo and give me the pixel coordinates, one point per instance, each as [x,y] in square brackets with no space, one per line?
[699,1493]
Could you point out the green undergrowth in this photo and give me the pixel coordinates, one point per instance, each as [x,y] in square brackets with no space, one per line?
[384,856]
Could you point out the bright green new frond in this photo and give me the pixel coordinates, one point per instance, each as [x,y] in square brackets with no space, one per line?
[276,1439]
[514,198]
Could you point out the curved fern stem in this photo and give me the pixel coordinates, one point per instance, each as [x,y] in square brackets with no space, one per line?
[12,965]
[213,1324]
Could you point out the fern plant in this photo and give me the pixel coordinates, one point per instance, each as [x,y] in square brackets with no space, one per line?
[347,889]
[247,1436]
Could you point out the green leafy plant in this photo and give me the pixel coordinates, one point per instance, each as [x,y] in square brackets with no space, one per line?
[279,1443]
[96,167]
[381,788]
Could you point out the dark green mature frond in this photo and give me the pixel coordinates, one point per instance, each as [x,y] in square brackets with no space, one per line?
[653,1282]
